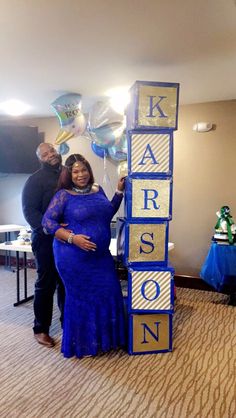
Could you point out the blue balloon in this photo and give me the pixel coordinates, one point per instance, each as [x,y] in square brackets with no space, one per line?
[99,151]
[118,152]
[63,149]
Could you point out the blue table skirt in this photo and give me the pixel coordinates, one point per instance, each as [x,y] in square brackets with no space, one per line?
[219,268]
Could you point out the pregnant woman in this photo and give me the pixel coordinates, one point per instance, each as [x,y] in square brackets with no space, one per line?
[93,315]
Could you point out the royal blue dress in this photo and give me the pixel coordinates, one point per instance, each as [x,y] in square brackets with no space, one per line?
[94,311]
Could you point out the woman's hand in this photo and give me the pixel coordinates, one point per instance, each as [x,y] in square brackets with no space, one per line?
[121,184]
[83,241]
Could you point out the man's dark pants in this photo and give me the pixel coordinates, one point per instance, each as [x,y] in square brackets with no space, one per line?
[46,283]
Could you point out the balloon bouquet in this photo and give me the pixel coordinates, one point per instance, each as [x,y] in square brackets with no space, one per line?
[107,130]
[105,127]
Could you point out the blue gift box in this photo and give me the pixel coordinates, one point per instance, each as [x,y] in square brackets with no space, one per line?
[148,198]
[150,153]
[153,105]
[142,243]
[150,333]
[151,290]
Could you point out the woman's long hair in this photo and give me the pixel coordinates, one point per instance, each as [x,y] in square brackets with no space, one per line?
[65,179]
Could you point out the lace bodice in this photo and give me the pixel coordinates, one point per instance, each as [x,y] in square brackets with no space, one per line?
[88,214]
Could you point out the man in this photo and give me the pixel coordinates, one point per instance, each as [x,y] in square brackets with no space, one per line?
[37,193]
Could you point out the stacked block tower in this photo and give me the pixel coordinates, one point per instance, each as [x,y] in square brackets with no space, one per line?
[143,232]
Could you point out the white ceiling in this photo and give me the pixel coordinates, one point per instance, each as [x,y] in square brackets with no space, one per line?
[50,47]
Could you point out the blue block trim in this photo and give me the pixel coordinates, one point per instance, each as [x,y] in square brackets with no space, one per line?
[150,311]
[145,174]
[129,198]
[123,243]
[130,338]
[132,109]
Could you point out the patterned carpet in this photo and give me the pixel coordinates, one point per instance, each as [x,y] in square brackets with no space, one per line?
[196,380]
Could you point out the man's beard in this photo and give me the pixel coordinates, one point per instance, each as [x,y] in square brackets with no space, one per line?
[56,166]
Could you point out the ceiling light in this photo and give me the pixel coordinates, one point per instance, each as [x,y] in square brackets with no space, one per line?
[119,98]
[14,107]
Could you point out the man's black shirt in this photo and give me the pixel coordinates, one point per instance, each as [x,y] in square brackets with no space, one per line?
[37,193]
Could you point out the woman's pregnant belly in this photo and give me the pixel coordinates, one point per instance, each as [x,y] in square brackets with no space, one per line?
[100,234]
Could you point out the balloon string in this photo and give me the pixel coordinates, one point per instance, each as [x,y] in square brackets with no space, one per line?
[107,181]
[105,162]
[106,178]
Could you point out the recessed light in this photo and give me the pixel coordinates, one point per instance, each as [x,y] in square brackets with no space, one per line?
[119,98]
[14,107]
